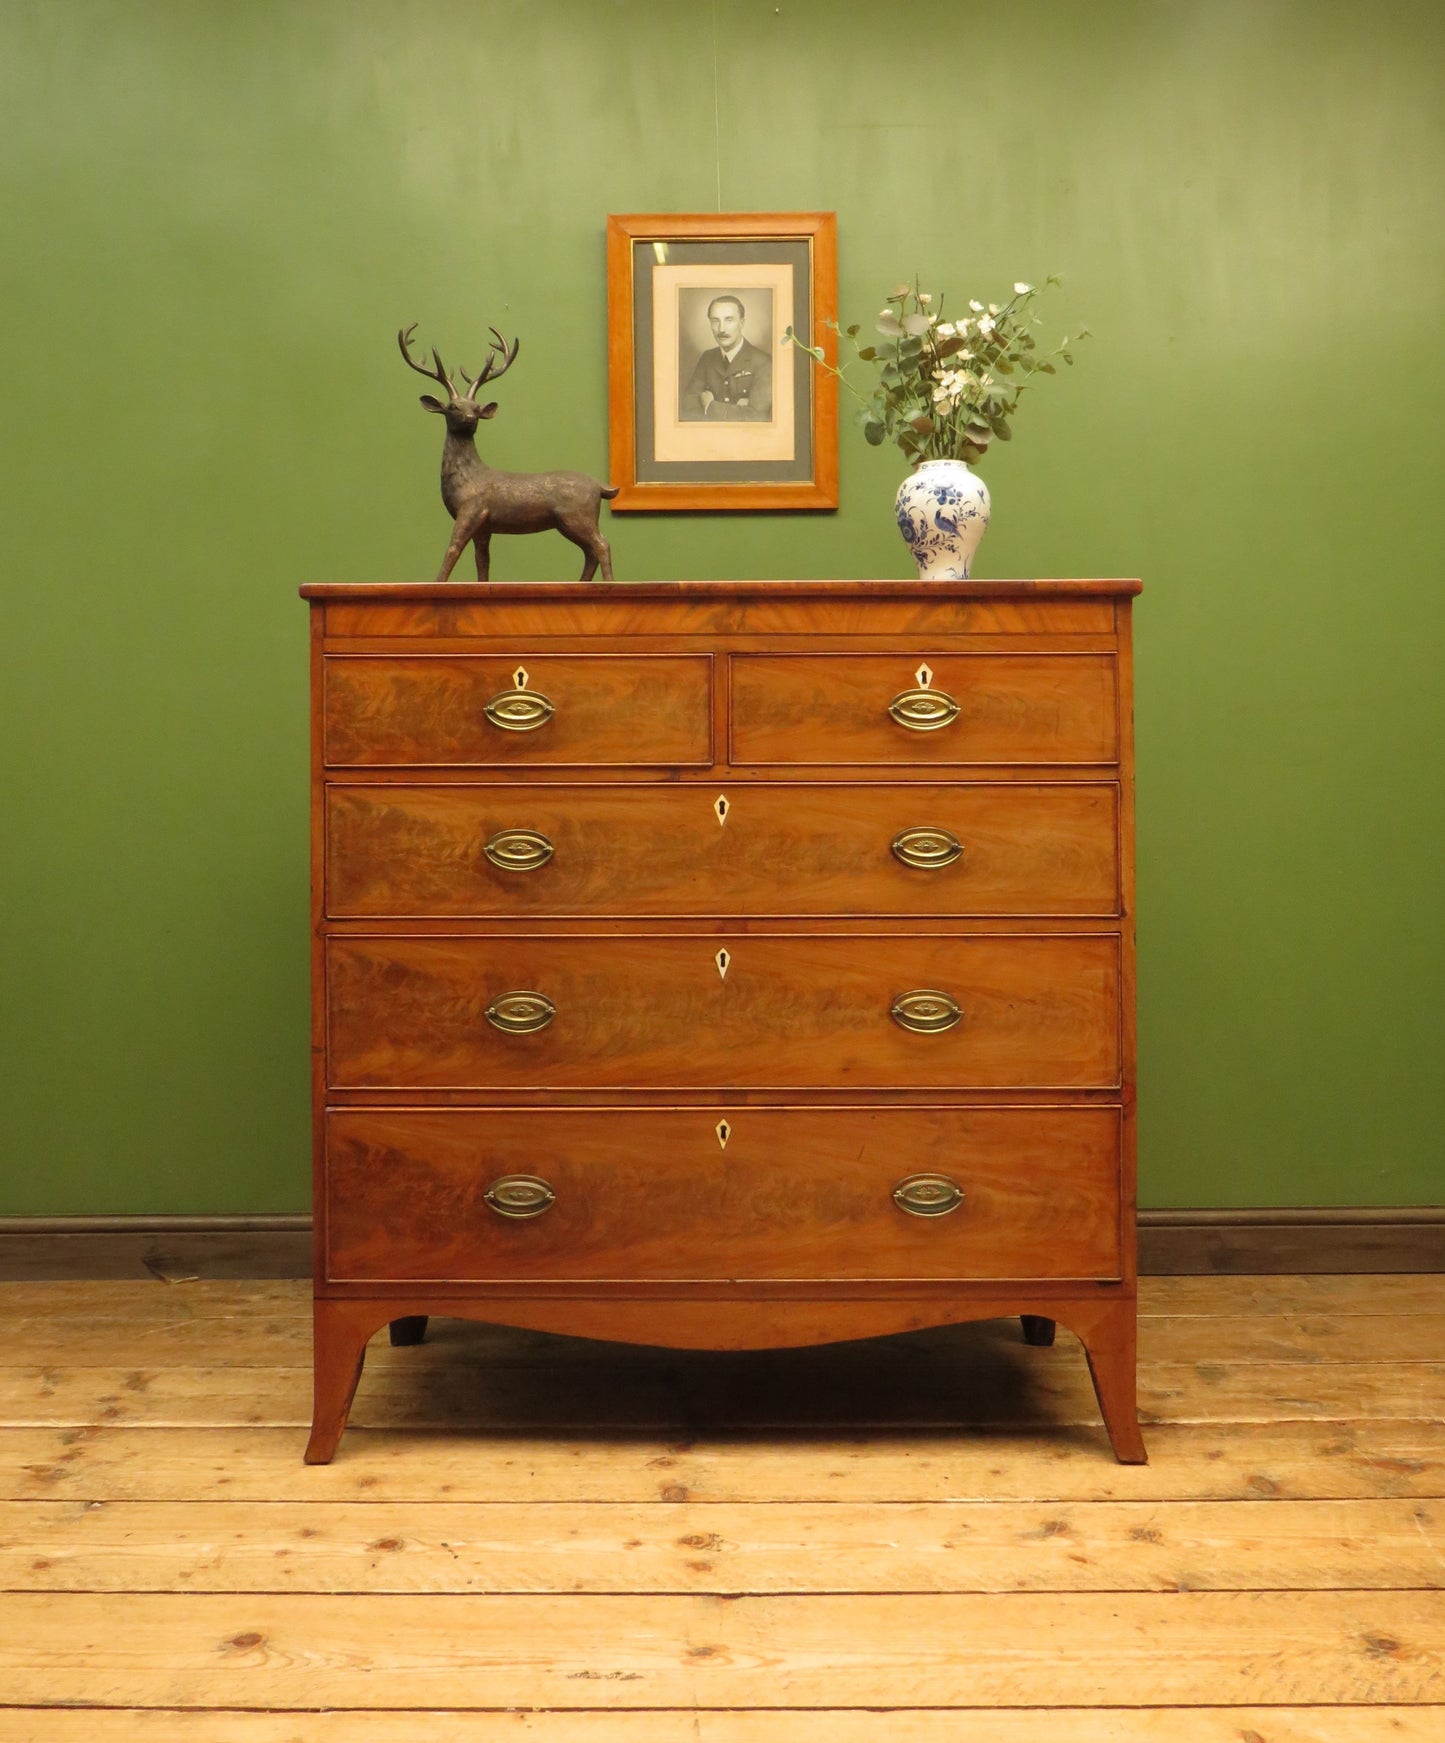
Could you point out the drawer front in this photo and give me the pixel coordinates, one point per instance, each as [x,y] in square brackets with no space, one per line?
[914,849]
[483,711]
[974,708]
[796,1193]
[683,1011]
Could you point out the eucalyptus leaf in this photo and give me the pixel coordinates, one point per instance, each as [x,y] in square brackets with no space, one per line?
[980,376]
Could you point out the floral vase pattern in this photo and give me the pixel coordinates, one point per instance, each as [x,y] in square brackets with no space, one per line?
[942,511]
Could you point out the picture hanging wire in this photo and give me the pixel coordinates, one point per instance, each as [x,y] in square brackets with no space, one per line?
[716,122]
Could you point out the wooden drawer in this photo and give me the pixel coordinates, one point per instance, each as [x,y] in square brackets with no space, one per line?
[633,1010]
[1010,708]
[825,849]
[797,1193]
[595,710]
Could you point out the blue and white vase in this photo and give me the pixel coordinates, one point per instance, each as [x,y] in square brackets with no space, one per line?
[942,510]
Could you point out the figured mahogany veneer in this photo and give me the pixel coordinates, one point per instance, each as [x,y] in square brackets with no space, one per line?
[382,711]
[650,1193]
[638,1011]
[1012,708]
[723,965]
[778,849]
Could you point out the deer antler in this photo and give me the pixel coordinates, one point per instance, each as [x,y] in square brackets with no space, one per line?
[439,374]
[498,363]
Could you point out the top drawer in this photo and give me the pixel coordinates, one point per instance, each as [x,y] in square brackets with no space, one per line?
[945,709]
[487,711]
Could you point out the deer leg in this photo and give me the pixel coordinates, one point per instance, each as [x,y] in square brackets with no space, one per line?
[454,550]
[594,547]
[482,547]
[466,529]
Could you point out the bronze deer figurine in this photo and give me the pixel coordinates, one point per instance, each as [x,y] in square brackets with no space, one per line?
[483,501]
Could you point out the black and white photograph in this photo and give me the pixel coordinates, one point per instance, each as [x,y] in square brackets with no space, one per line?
[725,354]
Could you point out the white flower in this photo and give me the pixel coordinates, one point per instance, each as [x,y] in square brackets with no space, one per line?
[925,296]
[976,307]
[993,308]
[1022,290]
[985,325]
[946,329]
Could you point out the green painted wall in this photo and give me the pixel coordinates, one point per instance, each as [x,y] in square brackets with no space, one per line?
[216,215]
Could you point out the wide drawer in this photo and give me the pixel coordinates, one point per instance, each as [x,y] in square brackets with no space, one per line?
[483,711]
[1056,708]
[738,1194]
[679,1011]
[914,849]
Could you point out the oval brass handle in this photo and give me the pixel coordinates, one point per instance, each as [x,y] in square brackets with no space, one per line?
[520,1195]
[927,848]
[519,710]
[925,1011]
[923,710]
[518,850]
[520,1013]
[928,1195]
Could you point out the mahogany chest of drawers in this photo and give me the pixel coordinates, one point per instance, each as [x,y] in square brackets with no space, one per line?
[724,965]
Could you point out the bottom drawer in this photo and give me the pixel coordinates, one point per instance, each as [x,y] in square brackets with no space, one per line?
[706,1194]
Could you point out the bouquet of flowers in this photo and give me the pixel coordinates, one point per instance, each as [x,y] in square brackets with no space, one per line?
[946,389]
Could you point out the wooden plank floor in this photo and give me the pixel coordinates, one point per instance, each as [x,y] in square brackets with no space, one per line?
[918,1540]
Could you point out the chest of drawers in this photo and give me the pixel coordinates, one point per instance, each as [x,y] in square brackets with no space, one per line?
[723,965]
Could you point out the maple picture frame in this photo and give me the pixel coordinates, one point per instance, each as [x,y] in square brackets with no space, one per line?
[691,425]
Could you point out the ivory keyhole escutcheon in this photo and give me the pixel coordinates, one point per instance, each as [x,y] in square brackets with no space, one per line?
[724,1132]
[722,807]
[519,678]
[924,676]
[724,962]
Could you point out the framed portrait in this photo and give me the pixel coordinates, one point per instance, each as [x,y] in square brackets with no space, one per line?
[709,407]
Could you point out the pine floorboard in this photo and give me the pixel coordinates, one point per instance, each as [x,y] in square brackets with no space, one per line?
[918,1540]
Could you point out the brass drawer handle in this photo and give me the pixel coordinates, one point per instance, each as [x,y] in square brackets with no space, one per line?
[928,1195]
[927,848]
[518,850]
[925,1011]
[519,710]
[923,710]
[519,1196]
[520,1013]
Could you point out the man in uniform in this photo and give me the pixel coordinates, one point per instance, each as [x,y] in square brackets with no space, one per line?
[732,383]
